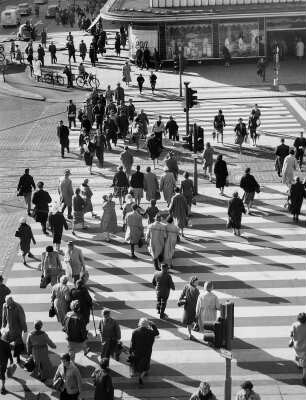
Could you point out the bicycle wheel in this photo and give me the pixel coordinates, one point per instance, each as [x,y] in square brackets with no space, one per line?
[80,81]
[60,80]
[48,78]
[94,83]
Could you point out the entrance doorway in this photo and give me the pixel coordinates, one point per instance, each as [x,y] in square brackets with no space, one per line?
[286,40]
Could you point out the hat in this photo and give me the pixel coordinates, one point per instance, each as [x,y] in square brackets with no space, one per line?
[247,385]
[67,172]
[106,311]
[204,387]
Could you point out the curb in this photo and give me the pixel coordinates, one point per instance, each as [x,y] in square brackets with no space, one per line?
[6,88]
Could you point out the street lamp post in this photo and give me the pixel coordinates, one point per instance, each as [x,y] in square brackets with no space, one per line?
[180,70]
[276,67]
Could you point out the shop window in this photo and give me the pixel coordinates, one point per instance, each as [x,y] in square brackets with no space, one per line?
[162,3]
[219,2]
[247,1]
[197,3]
[190,3]
[155,3]
[226,2]
[204,3]
[233,2]
[240,1]
[183,3]
[212,2]
[169,3]
[176,3]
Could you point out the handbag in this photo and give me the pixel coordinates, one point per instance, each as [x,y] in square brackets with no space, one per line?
[181,302]
[52,311]
[20,192]
[196,327]
[44,281]
[229,224]
[29,364]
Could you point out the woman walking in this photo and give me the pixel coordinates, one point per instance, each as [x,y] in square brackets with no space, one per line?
[207,306]
[89,152]
[78,204]
[188,299]
[298,342]
[167,185]
[109,217]
[121,185]
[57,224]
[87,194]
[151,186]
[154,148]
[141,347]
[60,299]
[221,174]
[234,212]
[296,196]
[249,184]
[25,235]
[172,238]
[126,73]
[134,229]
[253,125]
[187,190]
[289,166]
[51,266]
[37,345]
[41,200]
[102,380]
[208,160]
[178,208]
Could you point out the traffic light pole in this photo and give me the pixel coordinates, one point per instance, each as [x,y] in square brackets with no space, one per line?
[186,108]
[227,311]
[180,72]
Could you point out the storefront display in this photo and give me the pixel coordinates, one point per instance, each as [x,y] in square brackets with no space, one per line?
[241,39]
[195,41]
[141,38]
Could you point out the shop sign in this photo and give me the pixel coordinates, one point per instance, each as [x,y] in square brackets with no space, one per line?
[141,38]
[195,40]
[286,23]
[241,39]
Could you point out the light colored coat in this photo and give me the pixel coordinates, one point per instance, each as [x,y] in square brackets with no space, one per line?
[150,185]
[134,228]
[156,237]
[171,240]
[65,190]
[179,209]
[127,160]
[74,258]
[290,165]
[206,309]
[167,186]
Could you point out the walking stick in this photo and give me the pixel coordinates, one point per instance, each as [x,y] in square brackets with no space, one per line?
[94,323]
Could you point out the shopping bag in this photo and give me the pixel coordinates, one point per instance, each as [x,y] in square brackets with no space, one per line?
[29,364]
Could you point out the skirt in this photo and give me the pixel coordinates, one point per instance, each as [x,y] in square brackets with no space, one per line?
[138,193]
[248,197]
[78,217]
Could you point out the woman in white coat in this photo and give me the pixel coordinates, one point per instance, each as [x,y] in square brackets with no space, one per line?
[289,166]
[207,306]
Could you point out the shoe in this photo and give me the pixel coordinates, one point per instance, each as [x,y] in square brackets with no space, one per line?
[30,255]
[133,256]
[3,391]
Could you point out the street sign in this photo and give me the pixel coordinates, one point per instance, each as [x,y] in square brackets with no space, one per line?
[226,353]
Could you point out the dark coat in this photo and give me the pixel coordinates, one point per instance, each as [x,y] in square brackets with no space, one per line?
[141,347]
[5,353]
[63,135]
[190,294]
[104,389]
[137,180]
[85,300]
[119,93]
[235,210]
[41,200]
[221,173]
[282,151]
[249,184]
[219,122]
[296,196]
[75,327]
[154,147]
[25,235]
[25,185]
[120,180]
[58,222]
[162,281]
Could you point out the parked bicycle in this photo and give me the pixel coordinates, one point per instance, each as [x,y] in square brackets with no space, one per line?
[89,80]
[53,78]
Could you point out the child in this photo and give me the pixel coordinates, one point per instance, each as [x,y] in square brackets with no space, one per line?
[151,211]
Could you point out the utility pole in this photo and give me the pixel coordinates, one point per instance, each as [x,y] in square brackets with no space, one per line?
[186,109]
[180,71]
[276,67]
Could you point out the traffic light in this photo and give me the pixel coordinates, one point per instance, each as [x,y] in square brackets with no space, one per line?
[176,63]
[191,97]
[188,139]
[198,138]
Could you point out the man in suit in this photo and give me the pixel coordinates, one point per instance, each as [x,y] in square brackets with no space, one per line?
[281,152]
[300,145]
[241,133]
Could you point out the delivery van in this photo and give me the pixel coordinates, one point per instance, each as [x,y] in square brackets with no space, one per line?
[10,17]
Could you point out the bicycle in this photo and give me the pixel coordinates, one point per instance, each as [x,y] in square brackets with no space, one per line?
[88,80]
[54,78]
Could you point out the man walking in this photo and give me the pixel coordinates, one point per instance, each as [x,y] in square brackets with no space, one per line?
[75,260]
[24,188]
[281,153]
[119,94]
[41,55]
[4,291]
[66,192]
[163,283]
[134,229]
[219,124]
[156,237]
[140,82]
[110,335]
[127,159]
[41,200]
[172,128]
[71,111]
[5,355]
[137,184]
[52,51]
[300,145]
[63,135]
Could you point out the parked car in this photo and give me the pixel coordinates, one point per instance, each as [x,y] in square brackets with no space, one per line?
[10,17]
[24,9]
[40,2]
[51,11]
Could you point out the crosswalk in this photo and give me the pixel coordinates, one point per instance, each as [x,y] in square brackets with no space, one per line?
[263,272]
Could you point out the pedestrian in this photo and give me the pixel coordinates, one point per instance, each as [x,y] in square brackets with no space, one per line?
[63,135]
[60,298]
[297,194]
[92,54]
[140,82]
[253,125]
[71,111]
[234,212]
[299,48]
[143,120]
[74,261]
[98,112]
[126,73]
[81,293]
[172,128]
[13,50]
[207,306]
[109,218]
[300,146]
[219,124]
[37,65]
[127,208]
[87,194]
[188,299]
[41,200]
[247,392]
[110,131]
[75,329]
[14,325]
[167,185]
[157,60]
[146,58]
[156,237]
[83,50]
[153,79]
[261,69]
[51,266]
[187,190]
[43,37]
[298,342]
[208,160]
[131,111]
[290,165]
[68,379]
[203,393]
[52,50]
[163,283]
[109,95]
[68,73]
[71,51]
[241,133]
[65,191]
[100,143]
[221,173]
[41,55]
[5,355]
[122,124]
[137,184]
[178,209]
[151,211]
[89,152]
[127,160]
[138,57]
[78,204]
[57,224]
[249,184]
[4,291]
[38,342]
[150,185]
[281,152]
[121,185]
[117,44]
[226,56]
[102,380]
[119,94]
[172,238]
[110,335]
[159,129]
[154,148]
[25,235]
[141,347]
[134,229]
[171,164]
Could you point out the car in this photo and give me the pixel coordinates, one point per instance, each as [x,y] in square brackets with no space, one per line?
[40,2]
[24,9]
